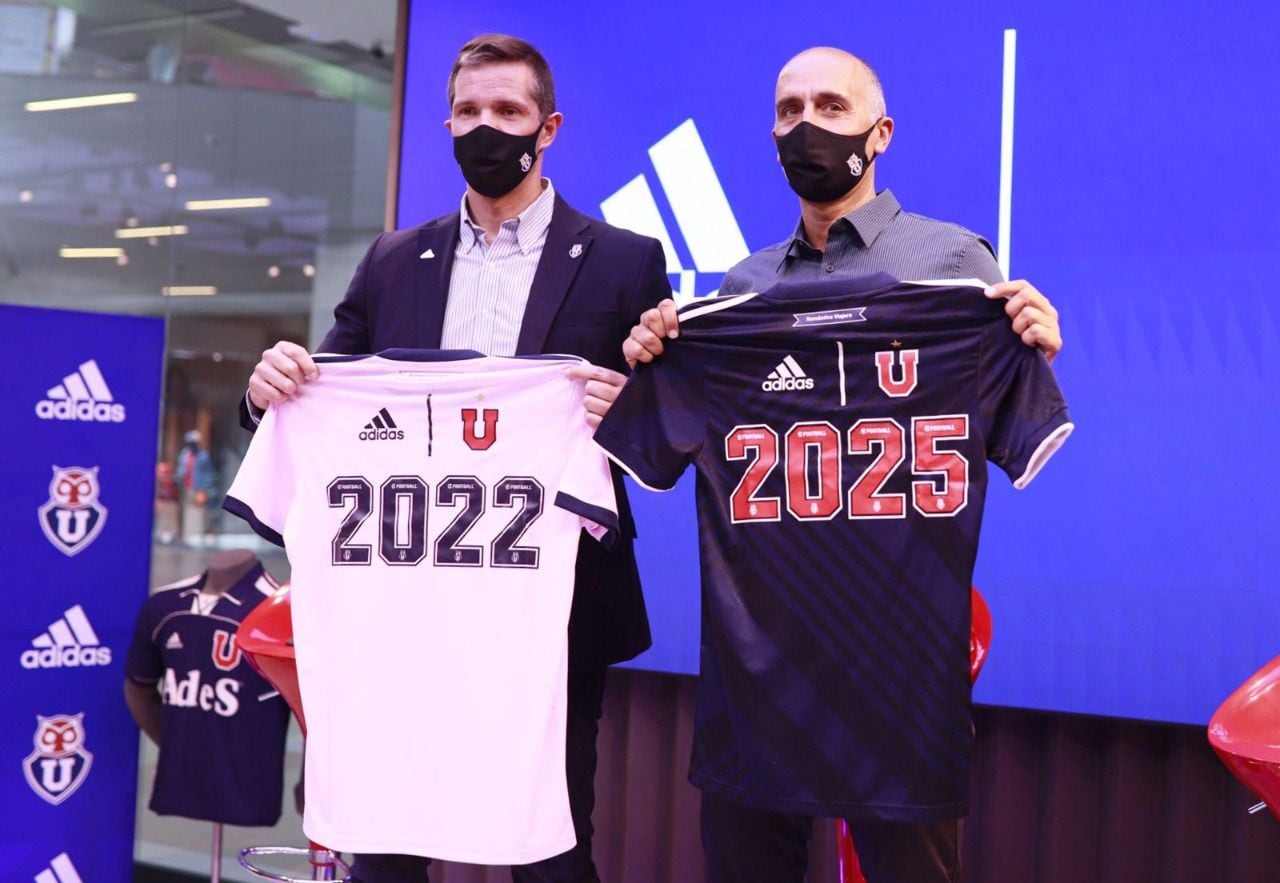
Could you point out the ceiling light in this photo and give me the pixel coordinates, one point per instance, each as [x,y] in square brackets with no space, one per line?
[208,205]
[308,270]
[73,252]
[150,232]
[188,290]
[273,271]
[25,196]
[82,101]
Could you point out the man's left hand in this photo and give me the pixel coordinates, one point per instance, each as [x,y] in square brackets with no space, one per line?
[1034,318]
[603,387]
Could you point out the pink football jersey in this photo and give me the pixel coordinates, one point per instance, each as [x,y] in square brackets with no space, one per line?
[431,504]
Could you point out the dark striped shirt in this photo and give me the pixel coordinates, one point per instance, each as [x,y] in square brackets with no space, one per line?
[879,237]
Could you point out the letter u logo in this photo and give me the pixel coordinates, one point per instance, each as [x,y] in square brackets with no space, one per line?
[897,386]
[73,524]
[226,655]
[57,774]
[488,434]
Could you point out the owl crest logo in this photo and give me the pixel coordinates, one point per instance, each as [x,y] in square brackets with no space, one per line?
[60,764]
[855,164]
[73,517]
[526,162]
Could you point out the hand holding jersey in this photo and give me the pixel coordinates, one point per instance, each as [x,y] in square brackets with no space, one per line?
[286,367]
[1033,317]
[433,536]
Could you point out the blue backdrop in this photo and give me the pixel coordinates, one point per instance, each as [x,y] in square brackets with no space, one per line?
[82,394]
[1136,576]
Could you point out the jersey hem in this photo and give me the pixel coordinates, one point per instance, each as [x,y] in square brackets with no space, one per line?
[404,847]
[244,510]
[831,808]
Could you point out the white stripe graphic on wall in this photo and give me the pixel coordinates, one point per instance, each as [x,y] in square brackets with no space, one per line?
[60,870]
[698,202]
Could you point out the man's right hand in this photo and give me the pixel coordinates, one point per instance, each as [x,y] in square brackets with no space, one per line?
[645,342]
[280,374]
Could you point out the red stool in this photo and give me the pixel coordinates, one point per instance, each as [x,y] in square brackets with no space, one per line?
[979,643]
[266,639]
[1245,731]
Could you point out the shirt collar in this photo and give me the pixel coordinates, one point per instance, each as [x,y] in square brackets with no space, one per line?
[531,224]
[868,221]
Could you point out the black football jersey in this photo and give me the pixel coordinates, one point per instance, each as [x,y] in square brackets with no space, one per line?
[840,431]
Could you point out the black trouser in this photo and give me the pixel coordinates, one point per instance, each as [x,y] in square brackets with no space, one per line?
[745,845]
[585,702]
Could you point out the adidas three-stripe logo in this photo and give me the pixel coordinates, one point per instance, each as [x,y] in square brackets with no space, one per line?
[697,202]
[381,428]
[60,870]
[787,376]
[70,641]
[82,395]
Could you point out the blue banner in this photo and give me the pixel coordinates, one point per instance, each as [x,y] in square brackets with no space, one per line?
[79,421]
[1135,576]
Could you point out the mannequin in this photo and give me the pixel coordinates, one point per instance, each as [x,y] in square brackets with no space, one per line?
[219,726]
[224,570]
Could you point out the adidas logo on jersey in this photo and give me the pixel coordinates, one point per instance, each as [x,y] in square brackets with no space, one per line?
[174,642]
[787,376]
[82,395]
[381,428]
[60,870]
[68,643]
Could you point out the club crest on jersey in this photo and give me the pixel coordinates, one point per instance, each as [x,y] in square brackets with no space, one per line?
[60,764]
[902,381]
[226,655]
[73,517]
[488,434]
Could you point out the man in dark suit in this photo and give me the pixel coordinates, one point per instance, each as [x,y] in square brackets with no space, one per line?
[516,271]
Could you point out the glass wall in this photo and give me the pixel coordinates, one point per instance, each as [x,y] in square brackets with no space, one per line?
[221,164]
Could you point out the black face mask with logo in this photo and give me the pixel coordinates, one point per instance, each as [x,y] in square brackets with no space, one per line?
[821,165]
[493,162]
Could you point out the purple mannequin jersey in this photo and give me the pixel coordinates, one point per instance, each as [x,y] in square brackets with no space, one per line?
[223,726]
[840,431]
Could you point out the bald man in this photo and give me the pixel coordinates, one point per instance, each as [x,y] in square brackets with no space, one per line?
[829,127]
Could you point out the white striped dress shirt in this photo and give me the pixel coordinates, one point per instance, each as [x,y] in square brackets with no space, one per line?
[490,284]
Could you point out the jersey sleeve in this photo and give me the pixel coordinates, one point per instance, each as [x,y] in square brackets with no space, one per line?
[586,490]
[1023,412]
[654,428]
[263,488]
[143,664]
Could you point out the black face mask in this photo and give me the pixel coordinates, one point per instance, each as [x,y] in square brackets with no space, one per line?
[822,166]
[494,163]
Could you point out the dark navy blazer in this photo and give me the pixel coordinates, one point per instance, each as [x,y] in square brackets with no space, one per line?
[582,305]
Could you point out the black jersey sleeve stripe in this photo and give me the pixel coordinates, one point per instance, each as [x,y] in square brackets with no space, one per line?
[633,463]
[1042,446]
[601,516]
[243,510]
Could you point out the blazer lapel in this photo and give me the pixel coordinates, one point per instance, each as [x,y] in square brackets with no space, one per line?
[432,275]
[565,251]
